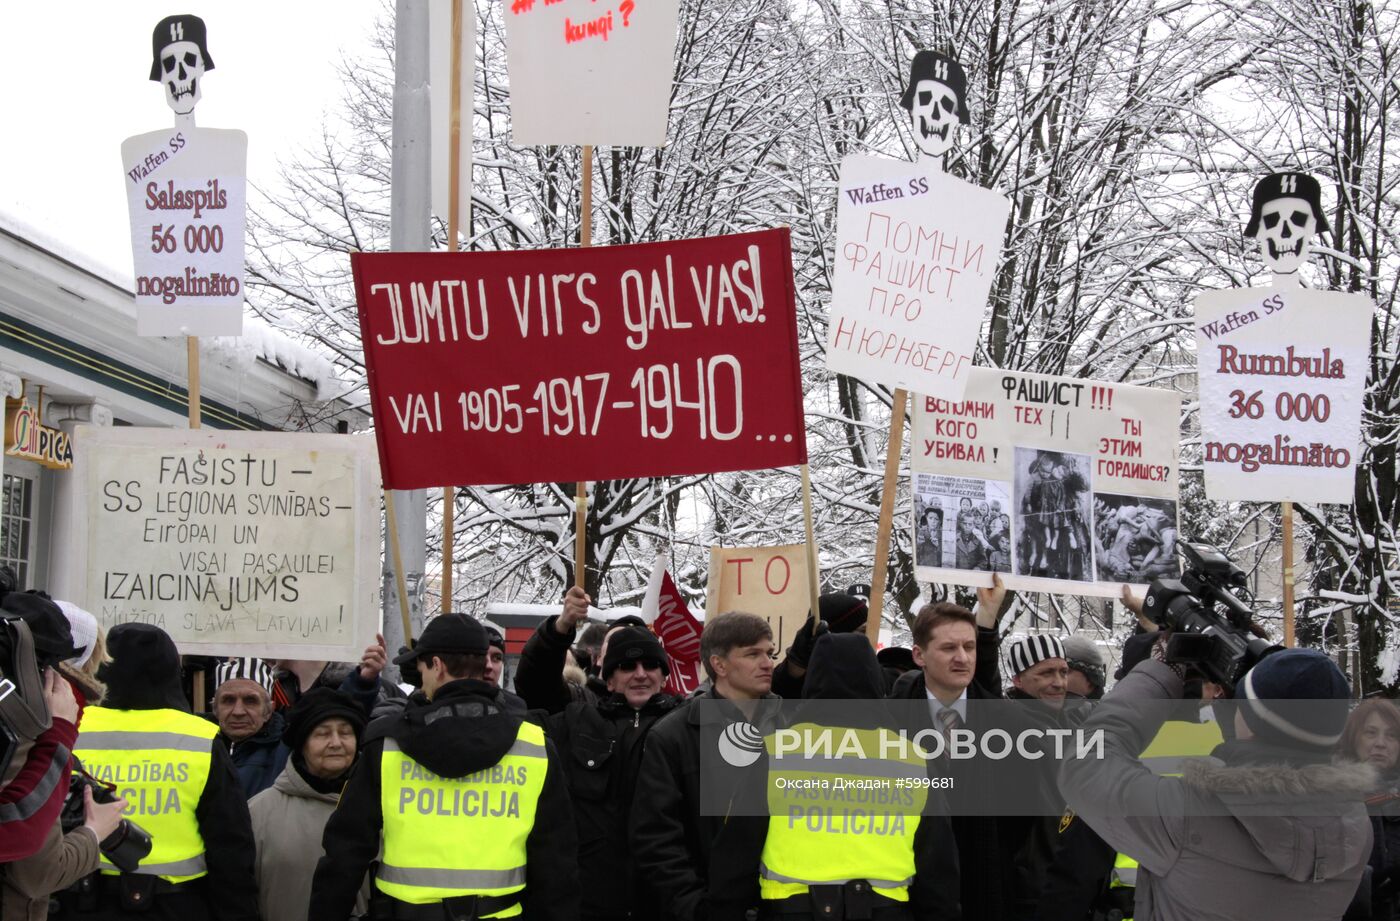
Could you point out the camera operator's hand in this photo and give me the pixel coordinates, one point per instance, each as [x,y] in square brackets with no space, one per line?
[102,818]
[1134,603]
[63,705]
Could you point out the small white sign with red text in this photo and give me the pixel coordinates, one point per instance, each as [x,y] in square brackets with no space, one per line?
[186,194]
[1283,378]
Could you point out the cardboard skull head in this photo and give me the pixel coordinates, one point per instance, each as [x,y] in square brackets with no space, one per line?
[936,100]
[1287,211]
[179,60]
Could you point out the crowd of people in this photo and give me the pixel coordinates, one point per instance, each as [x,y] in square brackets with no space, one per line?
[323,791]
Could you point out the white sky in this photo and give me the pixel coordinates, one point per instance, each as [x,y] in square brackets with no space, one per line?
[75,86]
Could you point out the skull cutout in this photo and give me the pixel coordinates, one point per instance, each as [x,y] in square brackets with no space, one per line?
[934,116]
[1287,211]
[182,71]
[1285,233]
[935,99]
[179,60]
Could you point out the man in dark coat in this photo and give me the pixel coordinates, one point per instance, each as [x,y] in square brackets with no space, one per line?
[600,744]
[672,843]
[957,657]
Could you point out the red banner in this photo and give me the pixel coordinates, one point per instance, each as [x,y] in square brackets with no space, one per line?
[680,637]
[611,362]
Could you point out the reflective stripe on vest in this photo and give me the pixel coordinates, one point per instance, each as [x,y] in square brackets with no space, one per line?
[844,804]
[159,761]
[446,837]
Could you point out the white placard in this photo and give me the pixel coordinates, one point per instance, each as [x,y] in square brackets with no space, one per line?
[916,252]
[1282,377]
[590,71]
[186,195]
[235,543]
[440,73]
[1060,484]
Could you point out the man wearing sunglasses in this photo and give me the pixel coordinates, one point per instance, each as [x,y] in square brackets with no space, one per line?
[600,740]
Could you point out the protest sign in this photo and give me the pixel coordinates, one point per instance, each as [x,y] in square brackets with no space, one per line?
[679,632]
[1282,379]
[234,543]
[772,582]
[916,251]
[186,196]
[1060,484]
[590,72]
[561,365]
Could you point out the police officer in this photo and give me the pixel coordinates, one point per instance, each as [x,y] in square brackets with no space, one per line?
[469,801]
[179,785]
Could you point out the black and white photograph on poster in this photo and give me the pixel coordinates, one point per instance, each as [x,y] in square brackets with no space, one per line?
[1135,538]
[1053,515]
[973,523]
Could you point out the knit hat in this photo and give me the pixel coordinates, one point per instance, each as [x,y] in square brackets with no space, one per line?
[1084,655]
[1030,650]
[145,669]
[494,636]
[53,638]
[1296,697]
[627,620]
[255,670]
[843,613]
[84,628]
[630,645]
[314,708]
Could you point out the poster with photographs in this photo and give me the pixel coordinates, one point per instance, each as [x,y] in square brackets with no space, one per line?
[1060,484]
[962,523]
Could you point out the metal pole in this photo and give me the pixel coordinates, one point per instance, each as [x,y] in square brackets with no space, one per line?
[409,215]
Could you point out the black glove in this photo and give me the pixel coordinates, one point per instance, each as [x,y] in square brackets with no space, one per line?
[409,673]
[800,652]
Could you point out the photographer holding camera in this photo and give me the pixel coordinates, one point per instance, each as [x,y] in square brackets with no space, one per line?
[1268,819]
[69,848]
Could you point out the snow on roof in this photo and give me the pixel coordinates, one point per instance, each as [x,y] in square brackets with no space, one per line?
[259,340]
[262,341]
[120,276]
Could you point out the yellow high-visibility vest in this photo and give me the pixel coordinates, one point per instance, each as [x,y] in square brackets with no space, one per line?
[1174,743]
[159,761]
[446,837]
[844,808]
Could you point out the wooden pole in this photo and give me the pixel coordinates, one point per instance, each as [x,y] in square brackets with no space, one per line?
[1288,639]
[813,580]
[192,374]
[401,588]
[882,534]
[192,359]
[581,488]
[454,184]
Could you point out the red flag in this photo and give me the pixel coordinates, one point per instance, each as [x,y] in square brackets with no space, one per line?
[679,633]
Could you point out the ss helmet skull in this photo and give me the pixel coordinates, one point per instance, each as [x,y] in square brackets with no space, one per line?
[1286,212]
[936,100]
[179,60]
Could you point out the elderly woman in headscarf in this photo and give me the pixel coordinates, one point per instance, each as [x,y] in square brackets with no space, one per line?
[322,734]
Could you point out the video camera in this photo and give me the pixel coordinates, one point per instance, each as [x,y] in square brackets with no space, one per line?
[1208,619]
[126,847]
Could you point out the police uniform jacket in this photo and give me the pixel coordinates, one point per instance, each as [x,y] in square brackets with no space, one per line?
[450,746]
